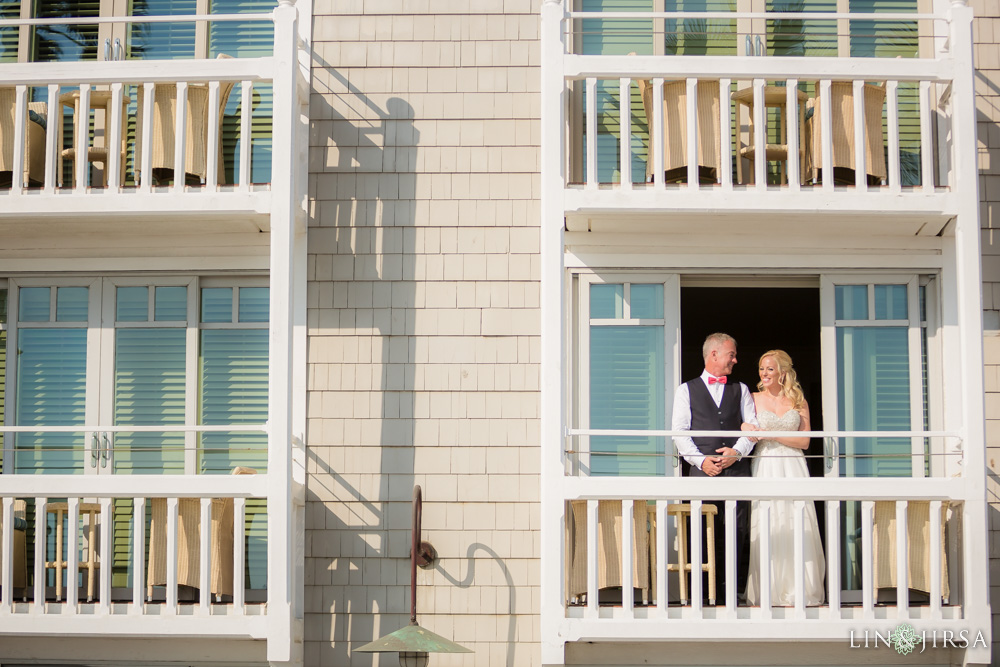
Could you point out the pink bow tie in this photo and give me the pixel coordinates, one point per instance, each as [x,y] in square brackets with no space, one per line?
[721,380]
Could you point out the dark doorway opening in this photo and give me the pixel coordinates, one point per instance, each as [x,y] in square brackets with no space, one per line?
[760,319]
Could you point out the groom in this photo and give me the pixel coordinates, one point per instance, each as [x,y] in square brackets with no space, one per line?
[710,403]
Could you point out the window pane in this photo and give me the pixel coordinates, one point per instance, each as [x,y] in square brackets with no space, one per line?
[171,304]
[149,390]
[71,304]
[852,302]
[162,41]
[217,304]
[34,304]
[3,306]
[607,302]
[51,391]
[922,297]
[233,390]
[890,302]
[254,304]
[873,377]
[133,304]
[626,392]
[647,302]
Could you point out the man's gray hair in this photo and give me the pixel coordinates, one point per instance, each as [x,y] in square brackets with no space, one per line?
[713,341]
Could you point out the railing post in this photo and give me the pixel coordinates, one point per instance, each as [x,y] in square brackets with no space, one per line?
[553,165]
[969,326]
[284,232]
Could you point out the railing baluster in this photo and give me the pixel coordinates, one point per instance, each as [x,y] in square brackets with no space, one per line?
[205,557]
[663,543]
[793,113]
[171,608]
[726,133]
[591,122]
[7,558]
[833,557]
[696,558]
[20,132]
[114,141]
[146,160]
[692,133]
[860,145]
[798,541]
[764,524]
[82,136]
[826,133]
[52,129]
[658,132]
[212,157]
[731,557]
[902,562]
[138,555]
[180,138]
[625,132]
[867,590]
[246,114]
[38,605]
[628,531]
[107,528]
[239,562]
[926,139]
[892,114]
[72,542]
[593,582]
[935,547]
[760,135]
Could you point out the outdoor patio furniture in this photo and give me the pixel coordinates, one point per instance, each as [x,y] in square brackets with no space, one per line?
[189,541]
[775,97]
[609,540]
[34,150]
[918,542]
[92,512]
[842,126]
[196,133]
[675,136]
[20,569]
[100,101]
[682,514]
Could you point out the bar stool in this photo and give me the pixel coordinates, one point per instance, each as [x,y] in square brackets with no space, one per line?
[683,511]
[100,100]
[60,510]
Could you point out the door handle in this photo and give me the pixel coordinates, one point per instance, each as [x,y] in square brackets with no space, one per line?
[749,46]
[95,450]
[119,51]
[107,49]
[760,47]
[831,452]
[107,451]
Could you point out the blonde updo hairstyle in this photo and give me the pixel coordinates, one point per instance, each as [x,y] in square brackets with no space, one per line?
[788,379]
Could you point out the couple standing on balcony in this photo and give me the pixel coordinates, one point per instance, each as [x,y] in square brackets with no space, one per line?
[709,403]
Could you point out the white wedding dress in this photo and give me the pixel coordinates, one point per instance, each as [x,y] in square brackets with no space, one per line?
[772,460]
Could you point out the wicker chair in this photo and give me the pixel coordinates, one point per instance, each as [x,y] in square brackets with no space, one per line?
[189,540]
[676,122]
[196,137]
[34,150]
[842,124]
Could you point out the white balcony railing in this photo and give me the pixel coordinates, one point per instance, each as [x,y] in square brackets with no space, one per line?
[758,133]
[855,512]
[131,141]
[111,527]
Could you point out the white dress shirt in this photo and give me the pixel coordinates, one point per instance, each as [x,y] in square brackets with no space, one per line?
[682,419]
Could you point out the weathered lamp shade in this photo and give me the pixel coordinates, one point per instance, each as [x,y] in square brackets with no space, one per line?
[412,639]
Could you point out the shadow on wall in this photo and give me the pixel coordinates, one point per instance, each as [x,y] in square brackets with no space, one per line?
[363,251]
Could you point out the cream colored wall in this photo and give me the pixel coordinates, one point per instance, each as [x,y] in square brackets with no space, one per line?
[987,36]
[423,325]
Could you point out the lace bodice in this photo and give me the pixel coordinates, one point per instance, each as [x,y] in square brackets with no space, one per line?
[772,422]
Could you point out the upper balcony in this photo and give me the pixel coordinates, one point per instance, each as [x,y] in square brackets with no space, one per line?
[675,117]
[90,132]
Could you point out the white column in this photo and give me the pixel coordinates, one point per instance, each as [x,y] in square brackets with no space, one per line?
[280,533]
[553,164]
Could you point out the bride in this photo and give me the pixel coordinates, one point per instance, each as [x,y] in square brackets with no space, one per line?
[781,406]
